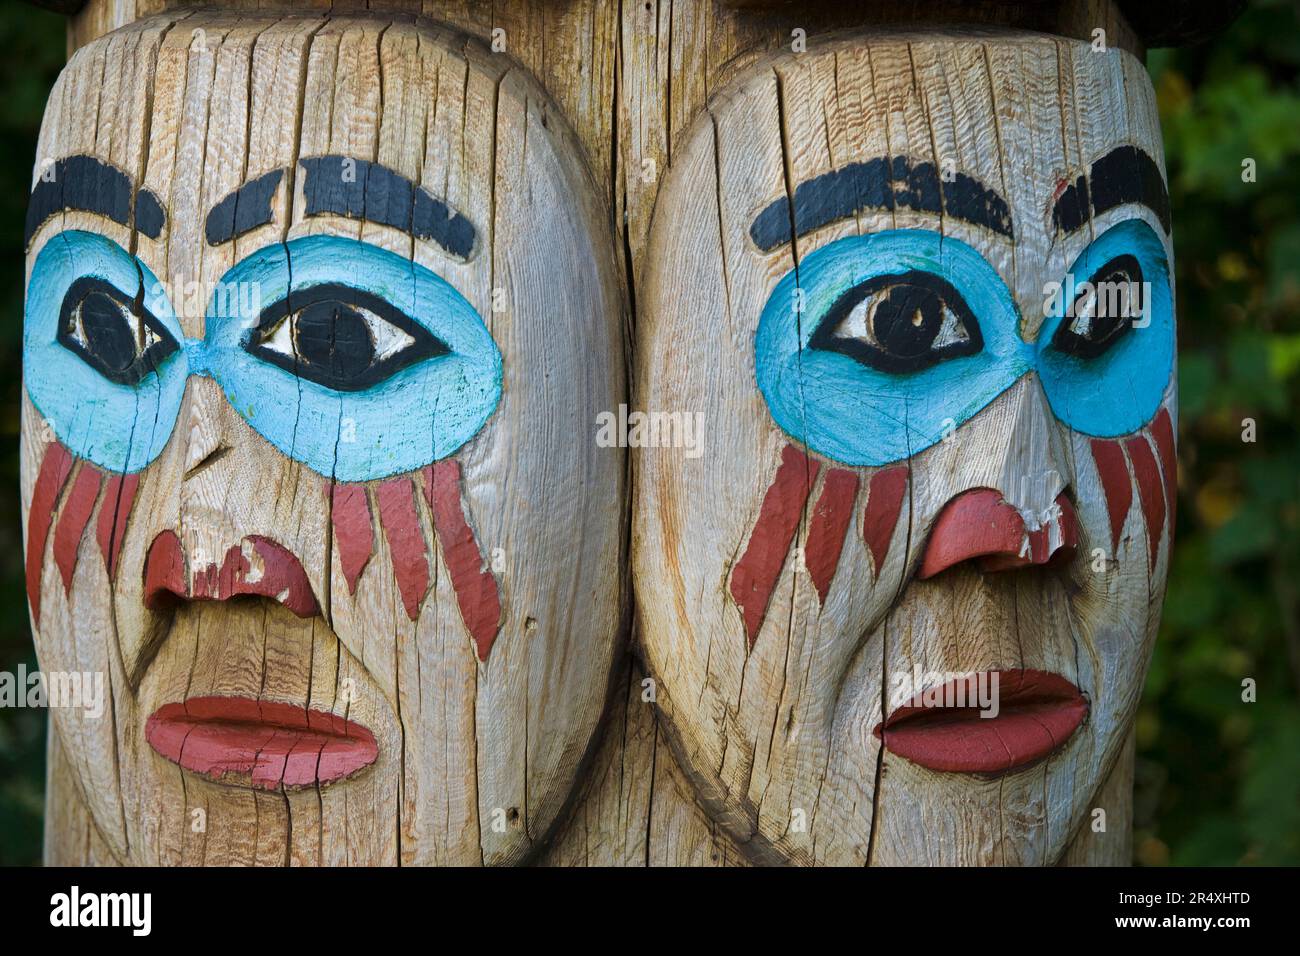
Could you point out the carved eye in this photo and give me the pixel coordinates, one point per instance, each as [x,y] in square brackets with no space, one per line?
[900,323]
[115,335]
[1104,309]
[340,337]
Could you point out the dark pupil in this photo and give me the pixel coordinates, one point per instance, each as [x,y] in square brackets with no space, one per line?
[331,335]
[108,337]
[1128,301]
[907,320]
[1114,303]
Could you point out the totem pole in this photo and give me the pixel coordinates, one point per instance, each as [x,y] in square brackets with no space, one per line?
[333,464]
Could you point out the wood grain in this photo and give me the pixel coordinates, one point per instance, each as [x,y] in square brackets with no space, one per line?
[778,741]
[193,104]
[687,118]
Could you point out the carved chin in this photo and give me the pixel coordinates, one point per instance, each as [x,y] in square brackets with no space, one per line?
[942,769]
[273,701]
[245,695]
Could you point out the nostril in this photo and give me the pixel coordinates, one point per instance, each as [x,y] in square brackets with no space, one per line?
[1053,541]
[981,524]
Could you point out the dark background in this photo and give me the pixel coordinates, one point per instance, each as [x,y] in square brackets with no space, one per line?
[1218,780]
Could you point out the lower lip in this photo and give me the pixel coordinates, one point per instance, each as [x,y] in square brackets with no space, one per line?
[1037,713]
[260,744]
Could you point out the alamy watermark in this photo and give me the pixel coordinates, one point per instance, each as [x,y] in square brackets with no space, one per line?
[82,690]
[1118,298]
[946,689]
[133,911]
[193,299]
[637,429]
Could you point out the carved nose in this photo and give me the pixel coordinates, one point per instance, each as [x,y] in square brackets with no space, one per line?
[206,443]
[980,524]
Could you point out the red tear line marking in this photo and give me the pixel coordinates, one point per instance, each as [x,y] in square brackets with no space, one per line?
[1162,430]
[354,532]
[884,502]
[257,566]
[476,588]
[119,497]
[405,541]
[55,468]
[754,577]
[72,522]
[1116,485]
[1150,491]
[830,523]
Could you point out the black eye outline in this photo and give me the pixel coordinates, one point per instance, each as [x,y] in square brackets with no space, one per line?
[1089,346]
[426,345]
[73,315]
[931,292]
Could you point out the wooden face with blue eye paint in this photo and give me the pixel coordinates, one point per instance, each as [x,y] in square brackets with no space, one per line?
[942,365]
[308,445]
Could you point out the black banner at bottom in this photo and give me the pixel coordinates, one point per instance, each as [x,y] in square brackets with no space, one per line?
[333,907]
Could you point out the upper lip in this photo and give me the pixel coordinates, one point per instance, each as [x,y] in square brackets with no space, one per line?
[1037,713]
[262,744]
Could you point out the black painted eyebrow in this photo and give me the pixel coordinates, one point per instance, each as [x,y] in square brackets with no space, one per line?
[881,183]
[86,184]
[377,194]
[1126,174]
[244,210]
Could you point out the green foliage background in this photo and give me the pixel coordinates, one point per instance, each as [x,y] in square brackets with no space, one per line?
[1218,780]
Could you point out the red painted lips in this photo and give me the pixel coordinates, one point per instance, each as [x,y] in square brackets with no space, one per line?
[260,744]
[1036,714]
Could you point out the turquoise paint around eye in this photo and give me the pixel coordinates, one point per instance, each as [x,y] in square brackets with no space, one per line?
[419,415]
[121,428]
[857,415]
[1119,391]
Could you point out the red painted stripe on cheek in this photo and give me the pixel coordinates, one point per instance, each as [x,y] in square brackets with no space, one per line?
[119,497]
[73,520]
[405,541]
[755,574]
[1162,430]
[1150,491]
[830,522]
[884,502]
[476,588]
[1116,485]
[55,467]
[354,533]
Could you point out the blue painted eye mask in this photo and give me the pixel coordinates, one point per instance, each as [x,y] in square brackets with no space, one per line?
[876,345]
[348,358]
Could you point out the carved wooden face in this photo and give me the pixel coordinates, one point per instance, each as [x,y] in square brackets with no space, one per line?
[307,462]
[921,289]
